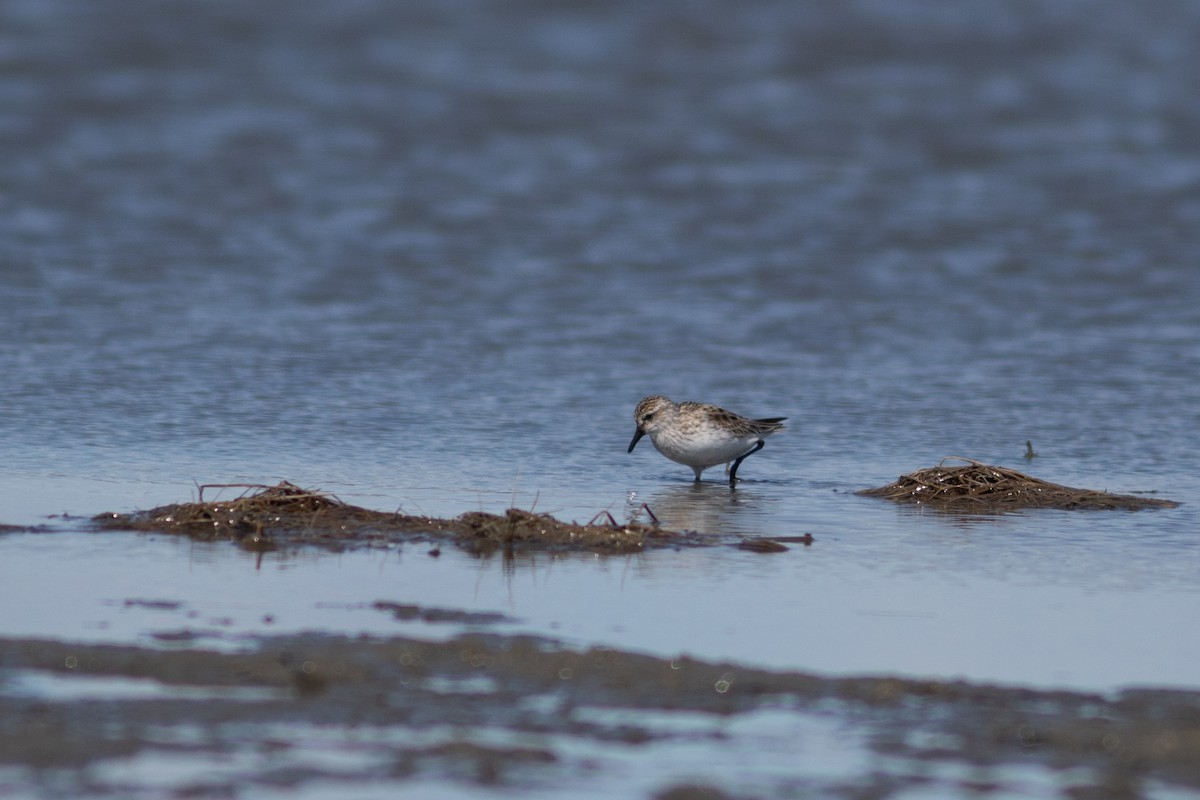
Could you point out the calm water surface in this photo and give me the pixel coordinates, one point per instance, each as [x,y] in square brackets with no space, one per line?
[429,256]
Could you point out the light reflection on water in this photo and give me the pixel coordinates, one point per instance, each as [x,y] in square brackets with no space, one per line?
[711,508]
[835,607]
[428,256]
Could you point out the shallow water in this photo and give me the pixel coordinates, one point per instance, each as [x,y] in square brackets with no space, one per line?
[429,256]
[813,609]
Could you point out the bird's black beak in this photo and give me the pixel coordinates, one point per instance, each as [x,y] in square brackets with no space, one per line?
[637,435]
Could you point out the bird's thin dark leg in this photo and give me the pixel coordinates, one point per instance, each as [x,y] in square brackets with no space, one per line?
[733,472]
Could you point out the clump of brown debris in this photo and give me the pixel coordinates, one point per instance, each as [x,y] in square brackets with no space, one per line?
[984,488]
[288,514]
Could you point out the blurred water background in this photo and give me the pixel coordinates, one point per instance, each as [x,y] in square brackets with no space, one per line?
[429,255]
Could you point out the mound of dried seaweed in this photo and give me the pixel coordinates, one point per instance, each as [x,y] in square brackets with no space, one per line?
[981,487]
[286,514]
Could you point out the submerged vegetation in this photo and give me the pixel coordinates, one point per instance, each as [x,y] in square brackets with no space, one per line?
[981,487]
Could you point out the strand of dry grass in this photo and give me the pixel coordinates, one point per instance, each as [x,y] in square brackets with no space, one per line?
[976,486]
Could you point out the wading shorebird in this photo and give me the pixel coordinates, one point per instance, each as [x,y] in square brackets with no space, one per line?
[701,435]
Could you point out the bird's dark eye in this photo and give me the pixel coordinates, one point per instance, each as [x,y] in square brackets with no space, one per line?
[648,417]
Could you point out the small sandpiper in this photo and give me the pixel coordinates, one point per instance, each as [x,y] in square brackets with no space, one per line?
[701,435]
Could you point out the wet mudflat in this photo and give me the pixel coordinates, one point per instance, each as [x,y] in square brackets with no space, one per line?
[428,255]
[303,713]
[450,699]
[199,694]
[226,709]
[265,518]
[286,515]
[983,488]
